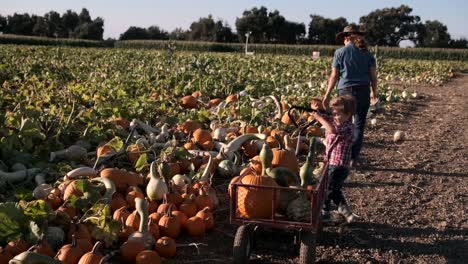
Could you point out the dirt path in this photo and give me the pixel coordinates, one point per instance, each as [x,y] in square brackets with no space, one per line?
[411,196]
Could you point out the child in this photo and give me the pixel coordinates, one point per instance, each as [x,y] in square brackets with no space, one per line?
[339,131]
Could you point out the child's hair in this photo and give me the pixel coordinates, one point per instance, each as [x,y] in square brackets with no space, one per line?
[345,102]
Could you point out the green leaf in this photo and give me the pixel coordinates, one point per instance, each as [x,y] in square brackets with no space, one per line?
[36,210]
[116,143]
[23,193]
[12,222]
[103,227]
[142,162]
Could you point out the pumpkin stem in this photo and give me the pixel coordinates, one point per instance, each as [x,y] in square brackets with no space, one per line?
[96,247]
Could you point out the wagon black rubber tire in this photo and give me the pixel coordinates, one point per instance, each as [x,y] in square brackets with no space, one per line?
[307,248]
[242,244]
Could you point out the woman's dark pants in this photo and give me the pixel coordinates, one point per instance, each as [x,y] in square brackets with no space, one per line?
[362,96]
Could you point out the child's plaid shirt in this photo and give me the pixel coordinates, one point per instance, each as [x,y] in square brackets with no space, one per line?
[340,143]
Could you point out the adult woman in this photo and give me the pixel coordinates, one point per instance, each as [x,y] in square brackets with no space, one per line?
[355,71]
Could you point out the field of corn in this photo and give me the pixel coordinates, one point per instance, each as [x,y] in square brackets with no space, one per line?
[99,109]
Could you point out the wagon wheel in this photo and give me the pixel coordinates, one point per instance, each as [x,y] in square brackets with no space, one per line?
[242,244]
[307,249]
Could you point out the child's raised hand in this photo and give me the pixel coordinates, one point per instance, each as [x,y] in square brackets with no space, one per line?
[316,104]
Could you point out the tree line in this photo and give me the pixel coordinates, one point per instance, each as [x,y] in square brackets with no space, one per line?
[384,27]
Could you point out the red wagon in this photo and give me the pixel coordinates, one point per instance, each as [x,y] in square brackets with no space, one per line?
[307,230]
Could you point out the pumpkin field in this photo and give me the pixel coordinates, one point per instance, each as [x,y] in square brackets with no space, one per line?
[128,156]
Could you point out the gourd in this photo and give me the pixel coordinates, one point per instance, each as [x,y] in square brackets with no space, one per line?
[142,234]
[227,151]
[29,257]
[257,202]
[55,237]
[180,181]
[307,170]
[157,188]
[73,153]
[81,172]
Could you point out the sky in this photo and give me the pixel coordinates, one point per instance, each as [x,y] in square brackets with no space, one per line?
[119,15]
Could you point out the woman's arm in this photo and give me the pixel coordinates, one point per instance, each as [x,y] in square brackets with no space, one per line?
[373,74]
[334,76]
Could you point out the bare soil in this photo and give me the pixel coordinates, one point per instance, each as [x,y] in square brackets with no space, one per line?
[411,196]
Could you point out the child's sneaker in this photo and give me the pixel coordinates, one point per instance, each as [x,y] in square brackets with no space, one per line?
[344,210]
[326,217]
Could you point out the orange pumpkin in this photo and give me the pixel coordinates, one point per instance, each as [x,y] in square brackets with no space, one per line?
[285,158]
[130,249]
[148,257]
[123,122]
[133,192]
[121,213]
[232,98]
[133,220]
[153,228]
[255,202]
[214,102]
[188,102]
[169,225]
[78,231]
[204,200]
[16,247]
[121,178]
[196,94]
[166,247]
[201,136]
[72,189]
[118,201]
[207,217]
[70,253]
[92,257]
[182,217]
[188,126]
[188,207]
[195,226]
[5,256]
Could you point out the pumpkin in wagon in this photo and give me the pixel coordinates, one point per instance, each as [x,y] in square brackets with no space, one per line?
[257,202]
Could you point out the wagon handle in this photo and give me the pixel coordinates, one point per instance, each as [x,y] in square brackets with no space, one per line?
[307,109]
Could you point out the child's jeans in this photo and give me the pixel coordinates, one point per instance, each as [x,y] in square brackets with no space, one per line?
[336,176]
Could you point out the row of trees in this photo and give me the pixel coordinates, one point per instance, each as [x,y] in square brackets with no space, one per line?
[384,27]
[68,25]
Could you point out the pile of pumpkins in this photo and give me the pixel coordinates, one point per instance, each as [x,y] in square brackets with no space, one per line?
[154,210]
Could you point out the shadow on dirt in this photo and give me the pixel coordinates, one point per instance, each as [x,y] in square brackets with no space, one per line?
[384,237]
